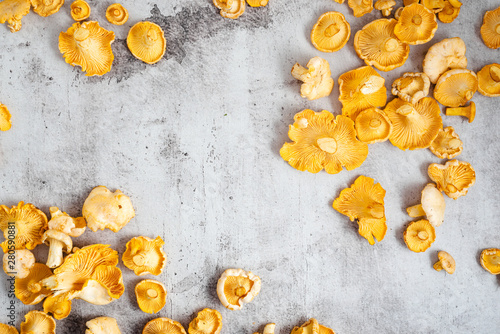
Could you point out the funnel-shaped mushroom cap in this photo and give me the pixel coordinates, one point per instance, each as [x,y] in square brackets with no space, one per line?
[454,178]
[80,10]
[309,327]
[46,7]
[105,284]
[449,13]
[372,126]
[59,306]
[488,80]
[360,7]
[447,144]
[146,41]
[151,295]
[443,56]
[105,209]
[490,30]
[317,78]
[18,263]
[231,9]
[377,45]
[145,256]
[208,321]
[411,87]
[490,260]
[446,262]
[117,14]
[323,141]
[364,201]
[436,6]
[29,290]
[12,11]
[7,329]
[102,325]
[419,235]
[414,126]
[360,89]
[88,46]
[236,287]
[416,25]
[331,32]
[432,206]
[385,6]
[5,122]
[163,326]
[62,222]
[37,322]
[456,87]
[26,222]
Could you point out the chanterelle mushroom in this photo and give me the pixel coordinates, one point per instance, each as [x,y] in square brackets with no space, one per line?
[145,256]
[146,40]
[416,25]
[488,81]
[331,32]
[435,6]
[490,260]
[37,322]
[80,10]
[385,6]
[12,11]
[237,287]
[317,78]
[419,235]
[454,177]
[257,3]
[310,327]
[231,9]
[455,88]
[447,144]
[449,13]
[432,206]
[443,56]
[490,30]
[46,7]
[446,262]
[468,111]
[102,325]
[18,263]
[372,126]
[7,329]
[208,321]
[151,295]
[117,14]
[59,305]
[411,87]
[360,7]
[29,290]
[5,122]
[163,326]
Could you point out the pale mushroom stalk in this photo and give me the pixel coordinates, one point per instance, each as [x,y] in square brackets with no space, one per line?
[469,111]
[416,211]
[55,258]
[269,329]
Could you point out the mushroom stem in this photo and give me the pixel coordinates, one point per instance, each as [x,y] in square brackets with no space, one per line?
[240,291]
[423,235]
[34,287]
[438,266]
[139,260]
[151,293]
[416,211]
[55,253]
[329,145]
[376,211]
[269,329]
[386,12]
[469,111]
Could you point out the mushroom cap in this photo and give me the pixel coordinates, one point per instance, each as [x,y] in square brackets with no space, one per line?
[309,327]
[490,260]
[80,10]
[29,289]
[411,87]
[105,209]
[414,126]
[163,326]
[236,287]
[46,7]
[331,32]
[410,2]
[18,263]
[7,329]
[360,7]
[145,256]
[61,221]
[433,204]
[117,14]
[146,41]
[372,126]
[449,13]
[29,225]
[102,325]
[447,144]
[435,6]
[364,201]
[377,45]
[5,122]
[58,305]
[490,30]
[325,330]
[454,177]
[257,3]
[12,11]
[416,25]
[104,285]
[489,80]
[89,46]
[384,4]
[208,321]
[322,141]
[456,87]
[37,322]
[317,78]
[447,262]
[443,56]
[419,235]
[50,235]
[231,9]
[151,295]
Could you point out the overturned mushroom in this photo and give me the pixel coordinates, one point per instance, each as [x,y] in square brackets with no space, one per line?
[490,260]
[317,78]
[58,305]
[488,81]
[37,322]
[102,325]
[490,30]
[208,321]
[443,56]
[455,87]
[419,235]
[449,13]
[447,144]
[385,6]
[446,262]
[18,263]
[360,7]
[46,7]
[432,206]
[469,111]
[29,290]
[5,122]
[12,11]
[237,287]
[372,126]
[416,25]
[117,14]
[331,32]
[411,87]
[145,256]
[231,9]
[146,40]
[454,177]
[80,10]
[151,295]
[163,326]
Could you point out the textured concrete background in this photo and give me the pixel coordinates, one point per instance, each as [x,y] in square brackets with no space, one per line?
[194,141]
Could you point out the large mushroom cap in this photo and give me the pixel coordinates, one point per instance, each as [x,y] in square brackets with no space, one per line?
[447,144]
[151,295]
[446,262]
[443,56]
[146,41]
[163,326]
[237,287]
[29,290]
[489,80]
[117,14]
[145,256]
[432,206]
[46,7]
[416,25]
[37,322]
[102,325]
[456,87]
[372,126]
[208,321]
[5,122]
[490,30]
[490,260]
[360,7]
[12,11]
[7,329]
[377,45]
[419,235]
[331,32]
[80,10]
[454,177]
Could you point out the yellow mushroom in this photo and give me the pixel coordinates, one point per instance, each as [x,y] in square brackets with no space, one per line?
[5,122]
[237,287]
[410,2]
[231,9]
[58,305]
[377,45]
[339,1]
[372,126]
[145,256]
[321,141]
[18,263]
[269,329]
[257,3]
[317,78]
[419,235]
[432,206]
[325,330]
[468,111]
[105,285]
[360,7]
[29,290]
[208,321]
[385,6]
[7,329]
[490,260]
[360,89]
[454,177]
[46,7]
[455,3]
[102,325]
[435,6]
[117,14]
[89,46]
[310,327]
[331,32]
[146,41]
[447,144]
[414,126]
[105,209]
[488,81]
[411,87]
[80,10]
[151,295]
[397,13]
[12,11]
[23,224]
[456,87]
[163,326]
[449,13]
[446,262]
[443,56]
[416,25]
[37,322]
[490,30]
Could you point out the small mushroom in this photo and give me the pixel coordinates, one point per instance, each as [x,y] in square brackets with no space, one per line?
[455,3]
[317,78]
[37,322]
[447,144]
[311,326]
[5,122]
[372,126]
[416,25]
[446,262]
[145,256]
[7,329]
[455,87]
[454,177]
[58,305]
[117,14]
[432,206]
[163,326]
[419,235]
[12,11]
[257,3]
[397,13]
[46,7]
[469,111]
[434,5]
[80,10]
[488,81]
[237,287]
[151,295]
[449,13]
[325,330]
[443,56]
[102,325]
[385,6]
[410,2]
[29,290]
[231,9]
[360,7]
[331,32]
[490,260]
[146,41]
[490,30]
[208,321]
[269,329]
[18,263]
[411,87]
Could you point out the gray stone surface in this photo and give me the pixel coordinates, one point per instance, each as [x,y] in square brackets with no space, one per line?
[194,141]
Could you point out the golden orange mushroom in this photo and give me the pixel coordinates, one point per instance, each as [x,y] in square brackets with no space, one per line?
[488,80]
[237,287]
[416,25]
[146,41]
[145,256]
[208,321]
[443,56]
[117,14]
[37,322]
[469,111]
[29,290]
[231,9]
[58,305]
[317,78]
[7,329]
[435,6]
[311,326]
[411,87]
[447,144]
[410,2]
[446,262]
[80,10]
[449,13]
[454,177]
[385,6]
[257,3]
[163,326]
[372,126]
[46,7]
[490,260]
[490,30]
[360,7]
[151,295]
[12,11]
[419,235]
[331,32]
[5,122]
[456,87]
